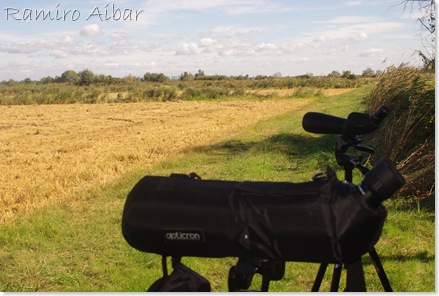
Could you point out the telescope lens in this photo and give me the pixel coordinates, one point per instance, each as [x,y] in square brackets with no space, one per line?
[381,183]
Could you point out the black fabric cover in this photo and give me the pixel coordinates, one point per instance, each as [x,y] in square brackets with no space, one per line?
[319,221]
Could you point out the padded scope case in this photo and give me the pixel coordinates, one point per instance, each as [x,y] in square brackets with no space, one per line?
[325,220]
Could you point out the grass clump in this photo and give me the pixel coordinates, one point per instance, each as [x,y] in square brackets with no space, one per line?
[407,135]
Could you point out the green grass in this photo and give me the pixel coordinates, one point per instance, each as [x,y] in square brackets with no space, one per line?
[78,245]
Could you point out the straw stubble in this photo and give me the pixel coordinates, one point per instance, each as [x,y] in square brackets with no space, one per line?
[52,153]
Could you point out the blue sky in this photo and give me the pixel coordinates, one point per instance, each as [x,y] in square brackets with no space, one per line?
[230,37]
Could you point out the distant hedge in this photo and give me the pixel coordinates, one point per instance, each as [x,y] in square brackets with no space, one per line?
[156,88]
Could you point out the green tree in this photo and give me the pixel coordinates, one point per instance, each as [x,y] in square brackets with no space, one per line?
[129,79]
[368,73]
[200,74]
[69,76]
[155,77]
[46,80]
[105,79]
[186,76]
[86,77]
[335,74]
[11,82]
[348,75]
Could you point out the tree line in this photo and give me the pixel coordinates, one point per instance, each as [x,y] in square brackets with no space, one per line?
[87,77]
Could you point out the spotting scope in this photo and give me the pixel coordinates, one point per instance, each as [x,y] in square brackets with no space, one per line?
[355,124]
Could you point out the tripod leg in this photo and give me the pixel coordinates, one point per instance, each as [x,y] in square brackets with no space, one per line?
[319,277]
[265,284]
[231,280]
[380,270]
[336,277]
[355,277]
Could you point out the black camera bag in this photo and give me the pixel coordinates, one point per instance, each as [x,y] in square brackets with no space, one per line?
[324,220]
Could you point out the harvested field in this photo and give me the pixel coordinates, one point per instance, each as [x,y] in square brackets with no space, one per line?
[52,153]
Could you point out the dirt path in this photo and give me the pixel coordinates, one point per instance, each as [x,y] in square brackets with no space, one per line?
[51,152]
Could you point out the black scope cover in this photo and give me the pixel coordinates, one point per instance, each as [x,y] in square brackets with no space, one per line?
[320,221]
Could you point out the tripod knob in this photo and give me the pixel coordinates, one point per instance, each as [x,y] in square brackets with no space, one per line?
[366,149]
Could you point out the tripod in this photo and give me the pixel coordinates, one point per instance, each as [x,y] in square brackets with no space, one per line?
[355,275]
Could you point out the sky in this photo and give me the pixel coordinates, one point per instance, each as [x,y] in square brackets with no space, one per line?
[226,37]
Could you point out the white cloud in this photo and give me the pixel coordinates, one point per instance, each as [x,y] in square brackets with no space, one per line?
[91,31]
[235,30]
[188,49]
[318,40]
[371,52]
[265,47]
[292,46]
[352,19]
[88,49]
[207,42]
[59,54]
[112,64]
[358,37]
[31,46]
[65,47]
[354,2]
[67,40]
[226,47]
[227,52]
[21,47]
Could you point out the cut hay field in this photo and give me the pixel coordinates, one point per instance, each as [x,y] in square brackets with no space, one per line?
[51,153]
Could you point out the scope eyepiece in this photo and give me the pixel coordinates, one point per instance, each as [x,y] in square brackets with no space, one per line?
[379,115]
[380,183]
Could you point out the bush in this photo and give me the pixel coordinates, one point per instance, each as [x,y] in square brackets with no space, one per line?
[160,93]
[205,93]
[306,92]
[407,135]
